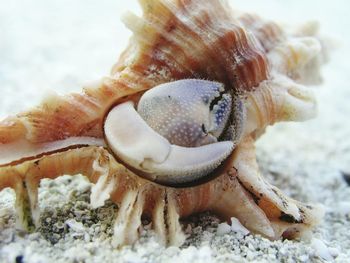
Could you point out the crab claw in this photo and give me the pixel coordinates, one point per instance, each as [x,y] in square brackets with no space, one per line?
[138,145]
[188,112]
[173,138]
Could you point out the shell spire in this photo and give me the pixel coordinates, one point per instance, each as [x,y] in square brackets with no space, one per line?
[193,39]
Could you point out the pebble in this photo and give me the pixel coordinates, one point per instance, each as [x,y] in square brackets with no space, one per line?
[223,229]
[237,227]
[321,249]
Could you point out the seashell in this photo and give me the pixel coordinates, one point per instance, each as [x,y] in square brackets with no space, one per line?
[253,70]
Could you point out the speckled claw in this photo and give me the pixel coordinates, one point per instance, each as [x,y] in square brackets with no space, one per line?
[134,142]
[188,112]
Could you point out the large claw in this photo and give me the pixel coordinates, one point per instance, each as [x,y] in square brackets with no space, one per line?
[174,136]
[187,112]
[134,142]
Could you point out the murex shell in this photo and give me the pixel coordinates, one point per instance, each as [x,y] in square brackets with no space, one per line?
[261,68]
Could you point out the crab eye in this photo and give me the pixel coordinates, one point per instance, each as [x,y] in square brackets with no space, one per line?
[174,136]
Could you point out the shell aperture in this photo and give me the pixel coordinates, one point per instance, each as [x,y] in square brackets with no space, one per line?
[173,137]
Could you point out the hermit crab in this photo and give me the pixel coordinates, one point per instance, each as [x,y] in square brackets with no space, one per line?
[171,131]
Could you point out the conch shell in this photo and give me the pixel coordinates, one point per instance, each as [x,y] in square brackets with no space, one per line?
[261,66]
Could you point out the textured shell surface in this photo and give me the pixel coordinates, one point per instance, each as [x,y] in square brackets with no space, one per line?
[171,131]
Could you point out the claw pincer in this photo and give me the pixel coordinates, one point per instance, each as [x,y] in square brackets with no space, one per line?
[174,136]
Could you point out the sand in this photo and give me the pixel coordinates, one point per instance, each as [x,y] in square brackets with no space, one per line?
[59,44]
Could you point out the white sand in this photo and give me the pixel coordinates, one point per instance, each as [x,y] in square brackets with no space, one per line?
[59,44]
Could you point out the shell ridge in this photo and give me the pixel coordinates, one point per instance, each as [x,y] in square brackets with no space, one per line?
[201,34]
[174,40]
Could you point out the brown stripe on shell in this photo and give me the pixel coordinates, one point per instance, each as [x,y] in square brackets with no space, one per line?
[11,129]
[205,37]
[267,32]
[60,117]
[173,40]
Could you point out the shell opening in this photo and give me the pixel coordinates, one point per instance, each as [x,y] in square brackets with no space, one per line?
[173,137]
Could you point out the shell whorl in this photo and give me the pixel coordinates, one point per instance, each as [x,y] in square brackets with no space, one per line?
[267,32]
[194,39]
